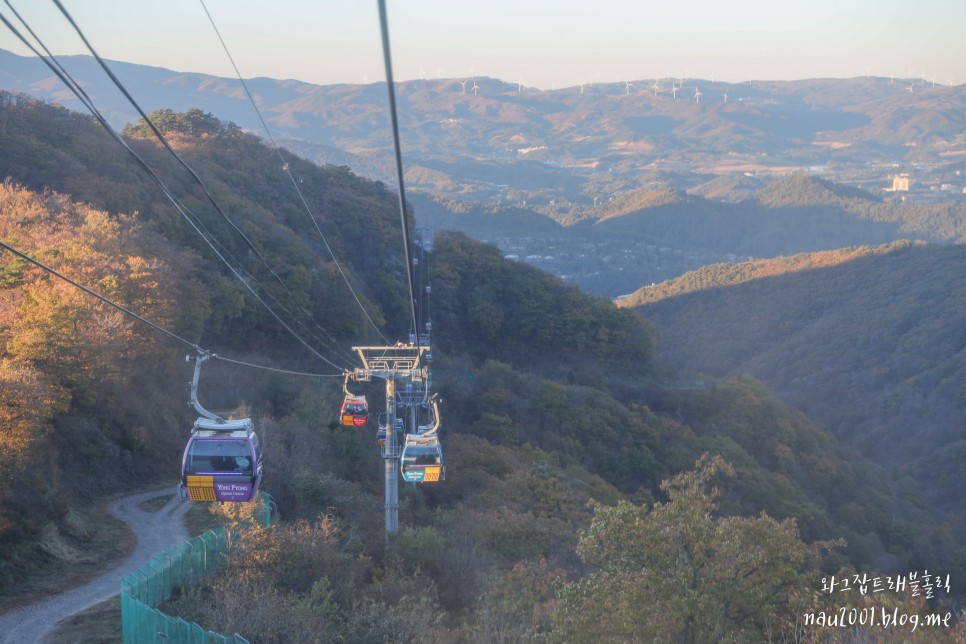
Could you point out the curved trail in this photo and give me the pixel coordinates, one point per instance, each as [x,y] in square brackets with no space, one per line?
[154,531]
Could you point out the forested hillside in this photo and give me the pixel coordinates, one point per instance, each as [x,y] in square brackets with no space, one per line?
[790,214]
[569,460]
[731,274]
[107,392]
[868,342]
[655,233]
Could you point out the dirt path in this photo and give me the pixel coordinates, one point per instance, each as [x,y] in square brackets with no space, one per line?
[154,531]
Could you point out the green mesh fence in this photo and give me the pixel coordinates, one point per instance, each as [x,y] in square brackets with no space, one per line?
[146,588]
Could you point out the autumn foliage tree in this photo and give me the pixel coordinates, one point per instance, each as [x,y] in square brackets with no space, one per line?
[678,572]
[60,349]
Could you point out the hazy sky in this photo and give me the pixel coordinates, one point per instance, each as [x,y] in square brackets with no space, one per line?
[540,43]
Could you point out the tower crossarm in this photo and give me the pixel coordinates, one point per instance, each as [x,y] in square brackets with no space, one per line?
[399,361]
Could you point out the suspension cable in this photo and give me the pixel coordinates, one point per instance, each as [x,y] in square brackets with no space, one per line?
[387,58]
[187,167]
[287,172]
[83,97]
[120,86]
[75,87]
[150,323]
[154,325]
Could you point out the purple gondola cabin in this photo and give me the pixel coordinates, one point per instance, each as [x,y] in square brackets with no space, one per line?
[222,461]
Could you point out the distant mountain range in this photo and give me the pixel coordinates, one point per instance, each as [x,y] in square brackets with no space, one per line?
[607,187]
[561,150]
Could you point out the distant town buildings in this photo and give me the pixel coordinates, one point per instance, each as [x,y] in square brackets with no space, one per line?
[900,183]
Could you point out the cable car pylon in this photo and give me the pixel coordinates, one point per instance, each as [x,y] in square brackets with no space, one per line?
[394,364]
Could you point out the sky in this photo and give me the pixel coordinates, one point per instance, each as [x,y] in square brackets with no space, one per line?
[537,43]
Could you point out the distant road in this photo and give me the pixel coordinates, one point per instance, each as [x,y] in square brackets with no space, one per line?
[154,531]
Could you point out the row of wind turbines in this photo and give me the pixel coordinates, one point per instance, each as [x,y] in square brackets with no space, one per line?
[676,86]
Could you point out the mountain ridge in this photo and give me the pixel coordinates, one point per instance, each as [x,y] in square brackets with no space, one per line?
[594,128]
[865,341]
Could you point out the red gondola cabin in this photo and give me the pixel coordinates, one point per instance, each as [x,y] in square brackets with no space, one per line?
[355,411]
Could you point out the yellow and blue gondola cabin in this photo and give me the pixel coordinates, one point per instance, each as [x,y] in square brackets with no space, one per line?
[422,460]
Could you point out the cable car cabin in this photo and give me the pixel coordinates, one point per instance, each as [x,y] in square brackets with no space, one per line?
[355,411]
[222,461]
[422,460]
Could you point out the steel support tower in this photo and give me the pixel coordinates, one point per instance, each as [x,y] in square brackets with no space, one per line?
[392,364]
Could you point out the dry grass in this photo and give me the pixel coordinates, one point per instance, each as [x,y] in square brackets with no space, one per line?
[155,504]
[202,517]
[89,541]
[99,624]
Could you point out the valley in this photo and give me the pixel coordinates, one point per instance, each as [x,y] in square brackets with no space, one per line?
[780,380]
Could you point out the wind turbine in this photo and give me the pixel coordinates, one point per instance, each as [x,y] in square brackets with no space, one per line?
[909,89]
[726,97]
[697,95]
[656,87]
[627,87]
[581,84]
[463,84]
[519,84]
[475,87]
[674,91]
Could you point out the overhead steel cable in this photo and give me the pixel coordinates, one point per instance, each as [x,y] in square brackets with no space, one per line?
[150,323]
[120,86]
[83,97]
[154,325]
[387,59]
[276,369]
[331,344]
[286,170]
[74,87]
